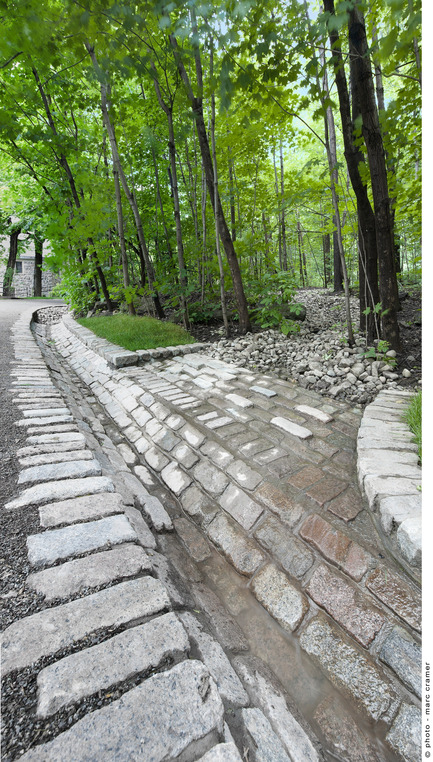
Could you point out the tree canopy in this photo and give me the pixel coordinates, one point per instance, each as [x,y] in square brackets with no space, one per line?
[177,155]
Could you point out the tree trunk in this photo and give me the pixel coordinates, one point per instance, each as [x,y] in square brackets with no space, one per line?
[121,233]
[197,109]
[388,288]
[37,275]
[232,198]
[283,213]
[10,266]
[326,246]
[369,294]
[280,246]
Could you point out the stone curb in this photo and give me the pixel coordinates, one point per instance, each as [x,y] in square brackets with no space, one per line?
[118,357]
[389,473]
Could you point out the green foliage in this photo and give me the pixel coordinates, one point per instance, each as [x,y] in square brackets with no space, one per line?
[75,292]
[137,332]
[272,293]
[413,418]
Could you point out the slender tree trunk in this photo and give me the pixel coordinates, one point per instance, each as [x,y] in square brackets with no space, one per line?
[37,276]
[226,239]
[121,233]
[283,212]
[379,183]
[280,247]
[301,260]
[160,204]
[215,181]
[232,198]
[369,293]
[326,246]
[10,265]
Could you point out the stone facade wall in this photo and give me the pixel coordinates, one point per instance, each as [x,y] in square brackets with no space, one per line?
[22,282]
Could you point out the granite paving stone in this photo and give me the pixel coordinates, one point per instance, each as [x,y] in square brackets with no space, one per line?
[55,544]
[292,554]
[348,668]
[144,535]
[45,411]
[68,437]
[212,479]
[394,510]
[395,593]
[405,734]
[91,571]
[400,652]
[199,506]
[264,391]
[292,428]
[175,478]
[55,457]
[155,459]
[278,502]
[242,552]
[192,436]
[347,505]
[240,506]
[305,477]
[54,629]
[61,490]
[253,447]
[45,421]
[326,489]
[244,475]
[137,650]
[222,752]
[52,471]
[314,412]
[227,630]
[80,509]
[335,546]
[282,467]
[409,538]
[279,597]
[345,739]
[229,686]
[347,607]
[264,744]
[189,711]
[273,705]
[240,401]
[185,455]
[197,546]
[156,513]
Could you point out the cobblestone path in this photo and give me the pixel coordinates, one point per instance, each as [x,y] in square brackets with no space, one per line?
[150,482]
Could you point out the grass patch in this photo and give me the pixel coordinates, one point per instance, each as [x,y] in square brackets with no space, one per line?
[137,332]
[413,418]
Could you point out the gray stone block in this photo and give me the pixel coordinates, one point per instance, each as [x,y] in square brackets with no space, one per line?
[55,544]
[189,714]
[212,479]
[264,744]
[91,571]
[51,471]
[242,552]
[348,668]
[55,457]
[314,412]
[394,510]
[292,428]
[41,412]
[54,439]
[175,478]
[228,632]
[244,475]
[283,601]
[61,490]
[54,629]
[223,752]
[45,421]
[199,506]
[80,509]
[229,686]
[292,554]
[406,732]
[245,510]
[138,649]
[409,538]
[403,655]
[156,514]
[263,391]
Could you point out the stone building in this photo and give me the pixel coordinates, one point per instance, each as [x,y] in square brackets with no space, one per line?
[23,278]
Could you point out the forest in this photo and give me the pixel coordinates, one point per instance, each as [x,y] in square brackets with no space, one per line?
[196,159]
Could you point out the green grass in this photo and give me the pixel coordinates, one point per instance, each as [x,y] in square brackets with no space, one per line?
[137,332]
[413,418]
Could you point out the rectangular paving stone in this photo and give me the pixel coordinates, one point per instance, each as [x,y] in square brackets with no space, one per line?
[155,459]
[156,513]
[42,412]
[404,656]
[260,737]
[279,597]
[61,490]
[51,471]
[342,735]
[307,476]
[55,457]
[228,632]
[54,629]
[283,467]
[61,438]
[377,487]
[80,509]
[137,650]
[314,412]
[191,435]
[326,489]
[189,710]
[270,455]
[242,552]
[278,502]
[264,391]
[229,686]
[396,594]
[240,401]
[244,475]
[335,546]
[405,734]
[347,505]
[199,506]
[185,455]
[54,429]
[98,569]
[345,605]
[45,421]
[193,539]
[175,478]
[222,752]
[291,428]
[348,669]
[240,506]
[279,541]
[253,447]
[56,544]
[212,479]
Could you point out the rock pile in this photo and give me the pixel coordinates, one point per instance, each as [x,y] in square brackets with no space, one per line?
[317,357]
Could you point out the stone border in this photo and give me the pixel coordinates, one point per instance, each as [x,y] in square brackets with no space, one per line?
[389,474]
[118,357]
